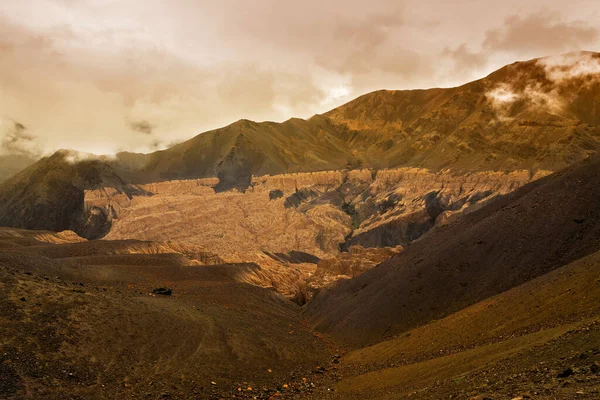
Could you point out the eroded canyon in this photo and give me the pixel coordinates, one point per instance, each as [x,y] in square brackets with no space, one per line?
[288,224]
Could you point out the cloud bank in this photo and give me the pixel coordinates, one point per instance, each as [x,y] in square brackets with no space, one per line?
[575,69]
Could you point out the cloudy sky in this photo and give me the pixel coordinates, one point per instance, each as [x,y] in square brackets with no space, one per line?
[108,75]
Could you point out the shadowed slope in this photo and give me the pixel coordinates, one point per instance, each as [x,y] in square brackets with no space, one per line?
[542,226]
[511,344]
[49,195]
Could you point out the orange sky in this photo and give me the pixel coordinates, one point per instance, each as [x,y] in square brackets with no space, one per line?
[109,75]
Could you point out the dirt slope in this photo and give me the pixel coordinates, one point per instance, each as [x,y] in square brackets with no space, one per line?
[89,327]
[515,343]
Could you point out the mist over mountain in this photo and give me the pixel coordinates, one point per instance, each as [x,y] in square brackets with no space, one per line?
[538,114]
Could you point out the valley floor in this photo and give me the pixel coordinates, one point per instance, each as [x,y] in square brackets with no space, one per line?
[81,322]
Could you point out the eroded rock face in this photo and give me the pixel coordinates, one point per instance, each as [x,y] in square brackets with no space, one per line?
[320,214]
[348,265]
[231,223]
[401,205]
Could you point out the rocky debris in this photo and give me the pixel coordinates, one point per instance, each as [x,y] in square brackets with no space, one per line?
[348,265]
[558,368]
[275,194]
[162,291]
[566,373]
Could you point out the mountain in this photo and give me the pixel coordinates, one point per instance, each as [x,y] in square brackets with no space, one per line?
[391,165]
[537,114]
[246,148]
[12,163]
[50,195]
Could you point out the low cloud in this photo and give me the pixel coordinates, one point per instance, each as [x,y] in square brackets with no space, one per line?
[543,33]
[502,95]
[15,139]
[551,96]
[569,66]
[502,98]
[142,126]
[533,96]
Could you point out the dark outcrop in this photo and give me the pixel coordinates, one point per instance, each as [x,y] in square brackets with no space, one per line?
[50,195]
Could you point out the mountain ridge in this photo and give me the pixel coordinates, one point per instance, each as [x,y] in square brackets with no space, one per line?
[537,115]
[470,126]
[431,128]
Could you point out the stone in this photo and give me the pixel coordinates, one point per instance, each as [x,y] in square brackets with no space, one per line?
[566,373]
[162,291]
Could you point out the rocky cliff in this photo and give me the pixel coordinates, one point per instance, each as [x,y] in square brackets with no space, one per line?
[317,213]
